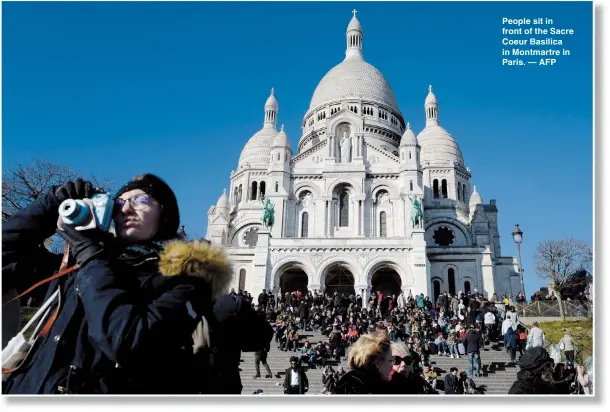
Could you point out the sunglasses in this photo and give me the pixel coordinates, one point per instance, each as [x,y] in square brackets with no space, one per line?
[398,360]
[138,202]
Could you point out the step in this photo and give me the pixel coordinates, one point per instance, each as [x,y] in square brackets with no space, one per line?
[495,374]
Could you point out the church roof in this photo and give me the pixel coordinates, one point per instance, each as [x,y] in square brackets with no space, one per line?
[353,78]
[408,137]
[475,198]
[281,139]
[258,148]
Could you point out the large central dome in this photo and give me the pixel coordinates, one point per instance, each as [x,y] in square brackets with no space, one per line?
[356,79]
[353,78]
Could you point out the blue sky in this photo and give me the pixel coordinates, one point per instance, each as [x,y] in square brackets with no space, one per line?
[177,89]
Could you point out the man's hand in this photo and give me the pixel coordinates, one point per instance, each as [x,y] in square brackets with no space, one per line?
[84,245]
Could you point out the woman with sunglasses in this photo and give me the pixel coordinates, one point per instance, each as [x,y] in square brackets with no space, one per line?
[130,306]
[370,361]
[402,379]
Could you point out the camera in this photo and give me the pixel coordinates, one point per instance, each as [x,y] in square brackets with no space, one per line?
[85,214]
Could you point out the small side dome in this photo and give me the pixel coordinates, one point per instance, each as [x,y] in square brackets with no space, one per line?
[408,137]
[431,98]
[223,201]
[271,102]
[281,140]
[475,198]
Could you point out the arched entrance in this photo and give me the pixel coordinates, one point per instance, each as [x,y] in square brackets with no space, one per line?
[339,279]
[467,288]
[294,278]
[436,291]
[451,280]
[387,281]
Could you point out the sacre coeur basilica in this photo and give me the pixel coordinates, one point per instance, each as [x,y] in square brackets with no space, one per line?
[364,205]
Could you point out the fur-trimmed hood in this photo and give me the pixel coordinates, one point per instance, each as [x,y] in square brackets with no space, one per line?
[199,259]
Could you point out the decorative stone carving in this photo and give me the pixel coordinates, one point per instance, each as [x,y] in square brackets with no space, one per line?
[363,259]
[273,258]
[251,237]
[316,260]
[317,159]
[373,159]
[307,200]
[384,198]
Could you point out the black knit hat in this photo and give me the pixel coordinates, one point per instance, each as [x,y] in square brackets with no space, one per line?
[534,358]
[163,194]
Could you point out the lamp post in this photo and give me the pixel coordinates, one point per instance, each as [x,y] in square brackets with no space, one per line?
[518,238]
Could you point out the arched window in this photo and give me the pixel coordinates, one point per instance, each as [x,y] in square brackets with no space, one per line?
[409,155]
[437,290]
[344,208]
[242,279]
[262,195]
[239,197]
[411,185]
[253,192]
[305,224]
[466,287]
[277,186]
[444,188]
[464,192]
[278,156]
[459,191]
[383,229]
[451,280]
[435,188]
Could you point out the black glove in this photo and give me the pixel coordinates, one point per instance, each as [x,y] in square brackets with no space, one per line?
[84,245]
[79,189]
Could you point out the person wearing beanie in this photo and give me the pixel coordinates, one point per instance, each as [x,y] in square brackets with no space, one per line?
[536,375]
[131,303]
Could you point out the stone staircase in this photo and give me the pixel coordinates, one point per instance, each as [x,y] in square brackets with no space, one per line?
[496,377]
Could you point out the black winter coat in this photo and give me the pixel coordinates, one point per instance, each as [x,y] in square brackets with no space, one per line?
[239,329]
[123,326]
[362,381]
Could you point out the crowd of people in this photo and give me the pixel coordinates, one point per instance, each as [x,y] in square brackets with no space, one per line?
[141,310]
[453,326]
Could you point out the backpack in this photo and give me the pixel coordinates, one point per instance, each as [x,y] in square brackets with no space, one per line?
[206,356]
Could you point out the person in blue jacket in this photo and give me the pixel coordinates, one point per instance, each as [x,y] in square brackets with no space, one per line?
[128,312]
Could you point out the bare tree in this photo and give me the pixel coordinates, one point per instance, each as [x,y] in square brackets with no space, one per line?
[24,184]
[557,260]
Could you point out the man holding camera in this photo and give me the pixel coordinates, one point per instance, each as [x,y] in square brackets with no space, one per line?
[129,308]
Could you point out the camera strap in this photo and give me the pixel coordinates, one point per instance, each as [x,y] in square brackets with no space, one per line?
[63,270]
[18,349]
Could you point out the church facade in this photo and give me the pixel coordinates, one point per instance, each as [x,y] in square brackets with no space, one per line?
[364,204]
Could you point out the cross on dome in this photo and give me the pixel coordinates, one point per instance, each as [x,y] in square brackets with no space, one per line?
[354,11]
[408,125]
[272,91]
[429,89]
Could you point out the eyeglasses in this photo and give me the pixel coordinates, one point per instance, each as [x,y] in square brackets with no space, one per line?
[398,360]
[138,202]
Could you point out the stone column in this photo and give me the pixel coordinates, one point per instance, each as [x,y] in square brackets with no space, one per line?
[329,204]
[262,267]
[365,298]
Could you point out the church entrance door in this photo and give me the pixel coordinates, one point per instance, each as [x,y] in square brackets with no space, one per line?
[339,279]
[386,281]
[293,279]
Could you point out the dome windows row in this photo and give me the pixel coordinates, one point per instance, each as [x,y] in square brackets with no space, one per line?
[441,190]
[366,110]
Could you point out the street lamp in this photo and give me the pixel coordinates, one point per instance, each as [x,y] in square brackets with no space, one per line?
[518,238]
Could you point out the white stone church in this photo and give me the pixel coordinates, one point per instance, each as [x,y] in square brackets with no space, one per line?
[343,201]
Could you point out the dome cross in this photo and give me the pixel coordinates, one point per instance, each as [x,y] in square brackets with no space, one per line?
[354,12]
